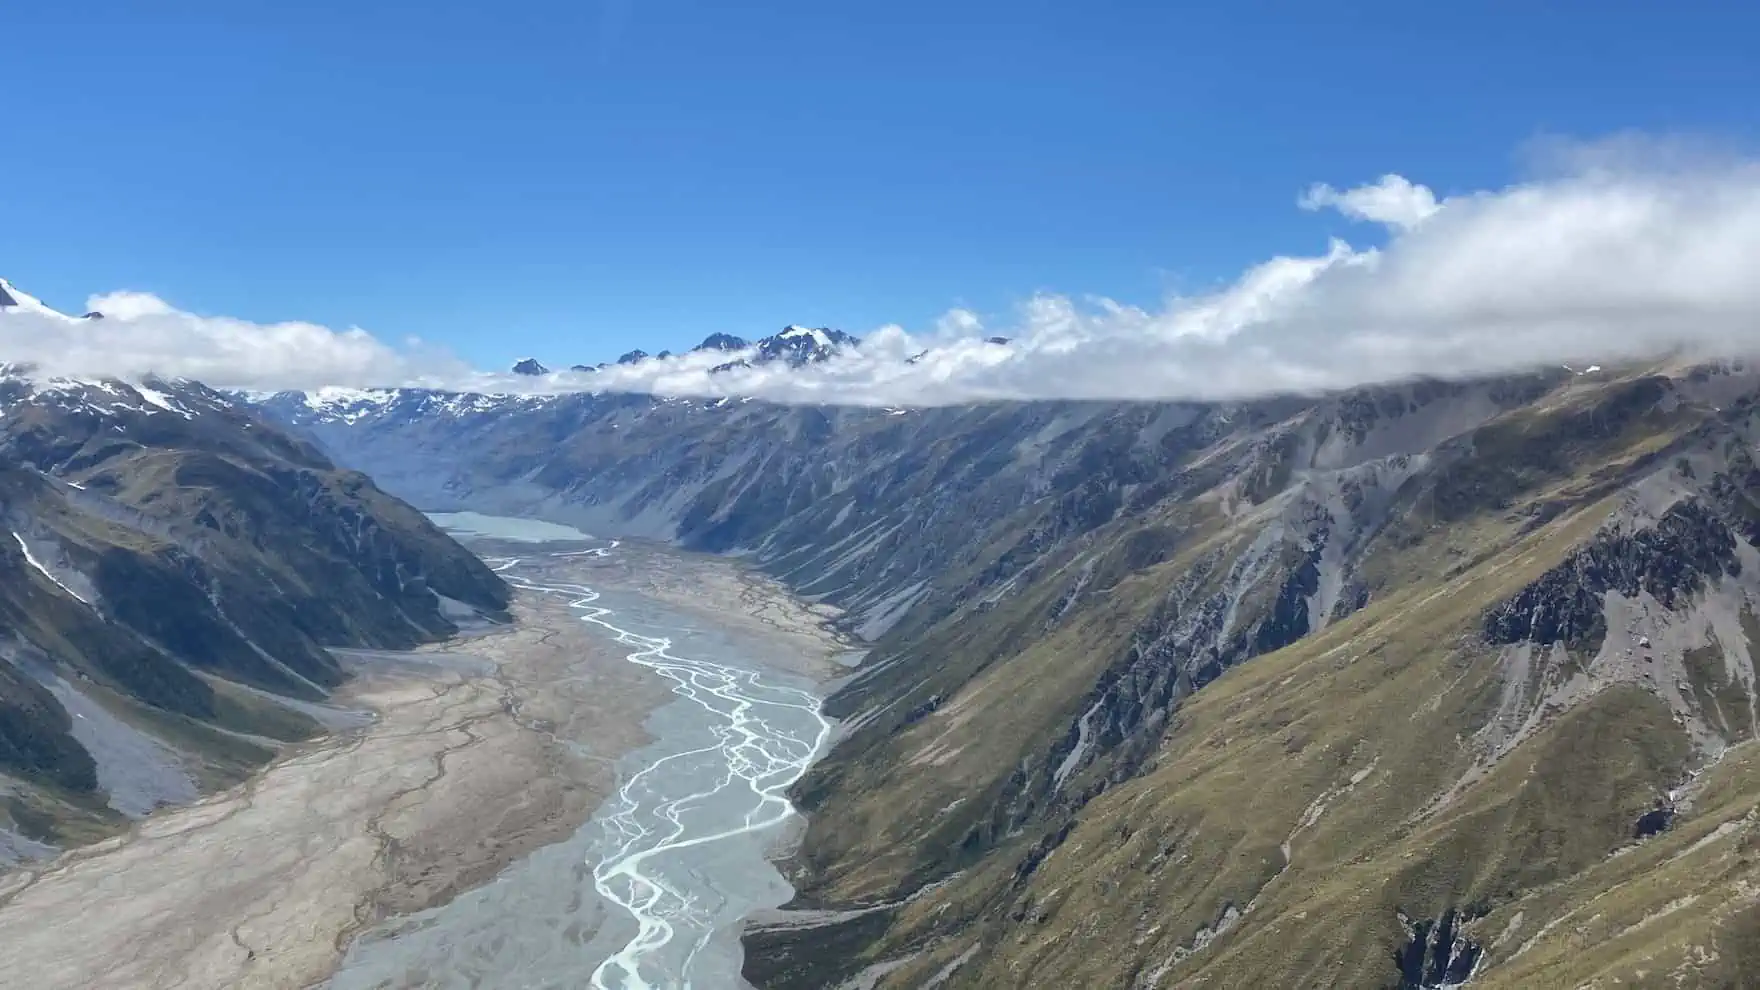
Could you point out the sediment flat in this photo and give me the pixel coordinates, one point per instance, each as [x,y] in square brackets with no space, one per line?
[736,598]
[463,771]
[481,751]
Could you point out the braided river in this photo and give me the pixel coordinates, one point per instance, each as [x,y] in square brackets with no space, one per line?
[651,892]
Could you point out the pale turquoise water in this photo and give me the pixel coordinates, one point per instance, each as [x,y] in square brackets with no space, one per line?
[505,528]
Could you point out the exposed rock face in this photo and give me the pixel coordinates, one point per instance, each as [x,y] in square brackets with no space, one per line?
[1654,822]
[722,342]
[797,346]
[1188,644]
[1437,957]
[1688,546]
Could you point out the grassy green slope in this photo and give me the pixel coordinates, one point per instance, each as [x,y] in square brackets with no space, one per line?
[1301,816]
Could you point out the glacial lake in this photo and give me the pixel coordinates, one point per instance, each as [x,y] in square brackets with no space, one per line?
[480,526]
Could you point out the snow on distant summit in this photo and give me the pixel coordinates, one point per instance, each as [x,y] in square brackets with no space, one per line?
[794,346]
[109,398]
[799,345]
[14,301]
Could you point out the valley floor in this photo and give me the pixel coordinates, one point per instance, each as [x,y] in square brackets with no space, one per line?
[462,772]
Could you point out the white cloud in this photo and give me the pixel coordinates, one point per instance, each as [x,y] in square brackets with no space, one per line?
[958,323]
[129,305]
[1393,201]
[142,334]
[1618,260]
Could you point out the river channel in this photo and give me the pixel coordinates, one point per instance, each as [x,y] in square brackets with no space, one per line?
[651,892]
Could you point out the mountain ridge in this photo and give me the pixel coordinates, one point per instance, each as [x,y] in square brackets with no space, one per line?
[1406,685]
[175,566]
[793,347]
[1062,598]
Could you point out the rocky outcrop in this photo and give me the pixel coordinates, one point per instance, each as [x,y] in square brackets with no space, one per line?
[1688,546]
[1437,956]
[722,342]
[797,346]
[1655,821]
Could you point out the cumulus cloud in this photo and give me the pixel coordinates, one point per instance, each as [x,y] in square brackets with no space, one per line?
[958,322]
[1617,260]
[129,305]
[1393,201]
[1605,265]
[142,334]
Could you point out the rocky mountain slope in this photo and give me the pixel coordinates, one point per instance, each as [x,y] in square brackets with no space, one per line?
[1401,687]
[173,570]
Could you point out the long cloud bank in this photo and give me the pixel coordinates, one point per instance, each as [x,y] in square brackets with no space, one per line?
[1604,264]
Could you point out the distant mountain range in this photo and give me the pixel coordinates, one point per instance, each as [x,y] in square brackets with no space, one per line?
[1302,691]
[793,346]
[1414,686]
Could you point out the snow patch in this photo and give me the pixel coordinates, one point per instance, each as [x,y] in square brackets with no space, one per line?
[163,401]
[31,559]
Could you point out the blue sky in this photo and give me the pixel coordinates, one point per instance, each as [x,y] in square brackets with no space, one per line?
[572,179]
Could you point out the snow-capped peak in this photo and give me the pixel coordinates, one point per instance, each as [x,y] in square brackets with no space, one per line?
[14,301]
[793,331]
[107,397]
[798,345]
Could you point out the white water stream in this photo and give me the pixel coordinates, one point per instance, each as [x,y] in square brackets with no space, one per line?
[669,865]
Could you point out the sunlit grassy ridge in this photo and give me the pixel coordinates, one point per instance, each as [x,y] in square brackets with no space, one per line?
[1295,820]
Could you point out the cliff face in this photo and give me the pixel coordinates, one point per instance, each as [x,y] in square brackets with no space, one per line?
[172,563]
[1378,689]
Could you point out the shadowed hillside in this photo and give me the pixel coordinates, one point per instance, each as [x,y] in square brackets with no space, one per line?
[174,566]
